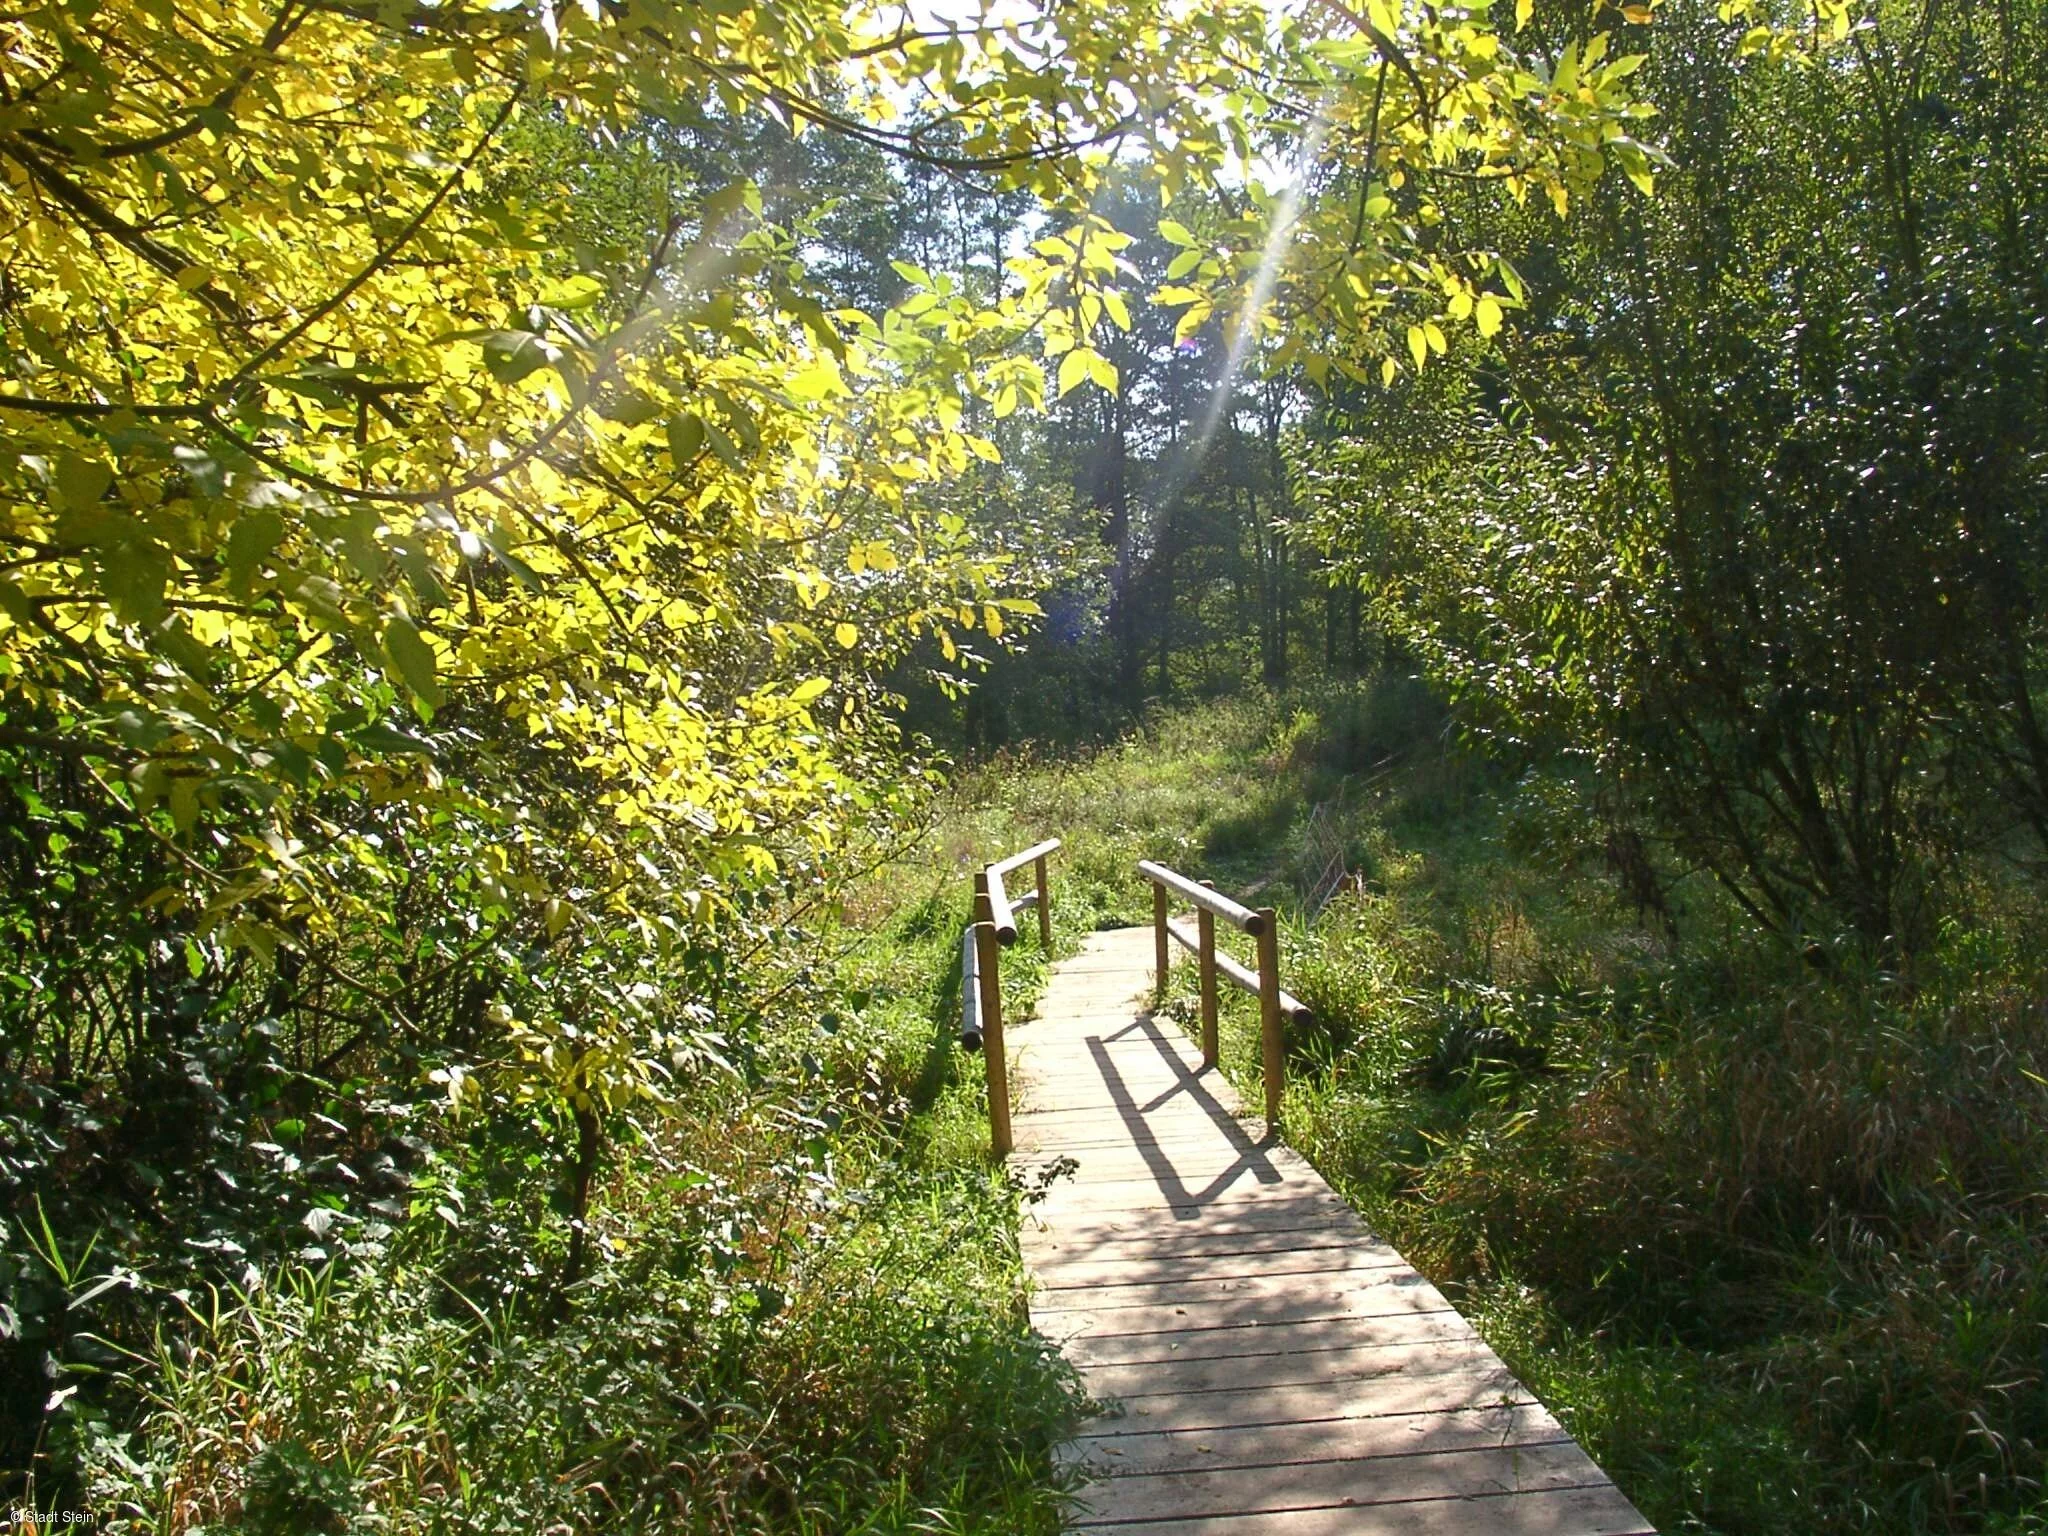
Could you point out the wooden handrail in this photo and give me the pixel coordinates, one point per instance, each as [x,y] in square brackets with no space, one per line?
[1202,896]
[981,982]
[1247,980]
[970,988]
[1002,910]
[1030,855]
[1276,1007]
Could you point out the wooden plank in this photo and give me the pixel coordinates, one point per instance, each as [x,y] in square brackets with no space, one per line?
[1191,1165]
[1299,1199]
[1268,1354]
[1136,1273]
[1279,1443]
[1592,1511]
[1320,1484]
[1080,1223]
[1260,1298]
[1065,1324]
[1343,1382]
[1315,1403]
[1053,1260]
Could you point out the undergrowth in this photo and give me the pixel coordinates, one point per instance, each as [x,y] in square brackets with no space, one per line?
[805,1314]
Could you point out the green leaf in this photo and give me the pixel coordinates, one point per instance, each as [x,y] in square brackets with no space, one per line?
[521,572]
[512,355]
[630,409]
[250,541]
[685,440]
[81,482]
[578,292]
[379,737]
[413,658]
[133,574]
[1176,233]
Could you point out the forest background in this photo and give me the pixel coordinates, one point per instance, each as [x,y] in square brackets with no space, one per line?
[508,513]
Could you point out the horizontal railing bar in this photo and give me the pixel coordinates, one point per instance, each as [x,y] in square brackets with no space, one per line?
[1017,860]
[970,992]
[1245,978]
[1001,910]
[1243,918]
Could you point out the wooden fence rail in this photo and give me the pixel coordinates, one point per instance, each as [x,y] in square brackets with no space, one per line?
[981,980]
[1277,1008]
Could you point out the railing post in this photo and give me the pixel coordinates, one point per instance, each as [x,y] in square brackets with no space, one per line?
[1160,940]
[1205,925]
[988,954]
[1272,1046]
[1044,904]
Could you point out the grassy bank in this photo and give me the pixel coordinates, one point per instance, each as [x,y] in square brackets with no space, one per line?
[1768,1234]
[803,1313]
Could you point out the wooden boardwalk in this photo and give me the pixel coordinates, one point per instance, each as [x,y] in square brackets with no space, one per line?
[1271,1368]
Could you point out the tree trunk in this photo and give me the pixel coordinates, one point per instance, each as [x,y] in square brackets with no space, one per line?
[582,1174]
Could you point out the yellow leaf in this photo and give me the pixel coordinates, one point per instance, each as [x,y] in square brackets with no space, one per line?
[1487,313]
[1524,9]
[1418,346]
[817,381]
[847,636]
[1192,319]
[1388,369]
[992,621]
[1075,367]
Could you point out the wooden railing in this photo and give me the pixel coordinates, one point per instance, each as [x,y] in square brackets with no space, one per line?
[1277,1008]
[981,979]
